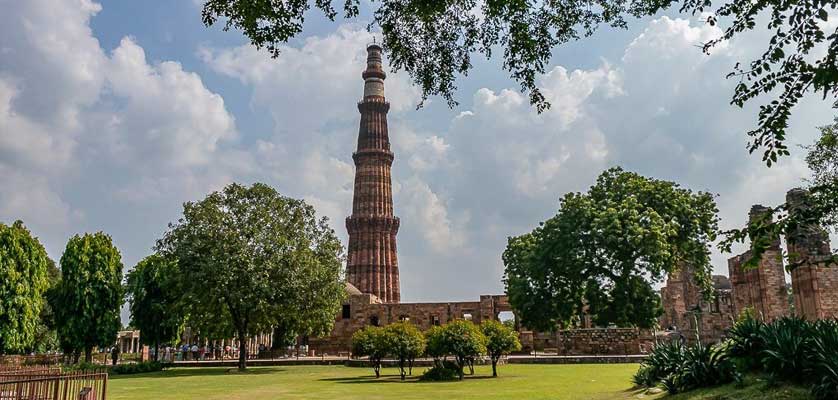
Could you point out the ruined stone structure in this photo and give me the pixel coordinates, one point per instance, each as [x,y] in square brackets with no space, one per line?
[589,341]
[814,275]
[689,313]
[372,265]
[763,288]
[362,309]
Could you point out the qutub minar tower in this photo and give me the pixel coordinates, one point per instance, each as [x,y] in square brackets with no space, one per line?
[372,264]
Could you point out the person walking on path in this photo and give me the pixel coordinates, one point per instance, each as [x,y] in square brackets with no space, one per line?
[115,354]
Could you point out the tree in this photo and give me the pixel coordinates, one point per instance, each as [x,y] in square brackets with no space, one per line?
[90,294]
[154,299]
[500,341]
[463,340]
[23,281]
[405,342]
[249,259]
[435,345]
[434,42]
[46,337]
[372,342]
[600,253]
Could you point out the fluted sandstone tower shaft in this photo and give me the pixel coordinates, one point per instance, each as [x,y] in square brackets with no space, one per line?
[372,265]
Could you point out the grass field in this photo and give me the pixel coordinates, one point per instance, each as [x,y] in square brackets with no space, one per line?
[604,381]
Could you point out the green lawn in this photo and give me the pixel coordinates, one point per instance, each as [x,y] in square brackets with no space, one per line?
[604,381]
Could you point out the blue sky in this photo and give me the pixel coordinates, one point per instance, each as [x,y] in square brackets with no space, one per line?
[113,113]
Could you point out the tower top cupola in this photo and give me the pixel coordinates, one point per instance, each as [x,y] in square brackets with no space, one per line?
[374,74]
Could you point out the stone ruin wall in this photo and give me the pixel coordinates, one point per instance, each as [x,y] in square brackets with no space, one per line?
[366,309]
[589,341]
[814,275]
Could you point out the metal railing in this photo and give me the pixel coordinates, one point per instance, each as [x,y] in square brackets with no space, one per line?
[52,386]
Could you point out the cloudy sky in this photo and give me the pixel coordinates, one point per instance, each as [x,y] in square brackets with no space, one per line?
[114,113]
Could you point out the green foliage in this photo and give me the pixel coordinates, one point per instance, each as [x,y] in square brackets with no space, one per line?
[137,368]
[90,294]
[434,42]
[435,346]
[440,373]
[464,341]
[679,368]
[372,342]
[644,377]
[151,288]
[786,351]
[405,342]
[746,339]
[23,283]
[824,359]
[604,248]
[500,340]
[664,360]
[250,259]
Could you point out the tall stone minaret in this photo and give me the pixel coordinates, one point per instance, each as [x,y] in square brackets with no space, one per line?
[372,265]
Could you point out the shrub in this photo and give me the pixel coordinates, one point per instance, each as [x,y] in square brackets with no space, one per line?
[464,341]
[446,371]
[644,377]
[786,353]
[664,360]
[678,368]
[746,340]
[704,366]
[824,359]
[137,368]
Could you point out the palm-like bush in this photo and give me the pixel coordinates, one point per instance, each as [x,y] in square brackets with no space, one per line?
[664,360]
[824,359]
[679,368]
[786,352]
[745,341]
[705,366]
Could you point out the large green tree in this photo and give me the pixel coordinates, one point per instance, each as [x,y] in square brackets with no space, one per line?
[604,248]
[250,259]
[90,293]
[434,41]
[23,281]
[152,291]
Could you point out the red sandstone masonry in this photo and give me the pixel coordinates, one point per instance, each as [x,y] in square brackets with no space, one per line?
[372,261]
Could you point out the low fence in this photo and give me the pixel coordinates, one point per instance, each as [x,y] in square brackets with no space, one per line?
[39,383]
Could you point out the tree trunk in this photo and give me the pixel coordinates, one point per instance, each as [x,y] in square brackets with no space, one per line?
[88,355]
[376,366]
[242,351]
[494,367]
[410,367]
[401,368]
[157,350]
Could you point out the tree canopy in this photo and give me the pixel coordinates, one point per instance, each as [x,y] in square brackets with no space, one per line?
[461,339]
[500,340]
[90,293]
[151,288]
[250,259]
[434,42]
[372,342]
[600,253]
[405,342]
[23,282]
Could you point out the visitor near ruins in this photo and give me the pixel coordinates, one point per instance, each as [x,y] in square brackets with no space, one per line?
[542,200]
